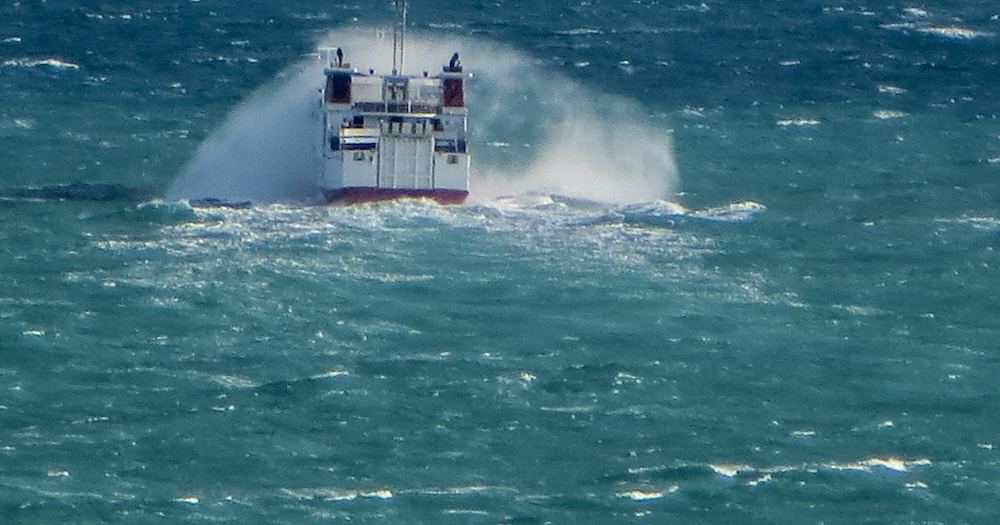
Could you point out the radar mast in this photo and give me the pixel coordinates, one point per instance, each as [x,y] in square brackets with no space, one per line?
[399,37]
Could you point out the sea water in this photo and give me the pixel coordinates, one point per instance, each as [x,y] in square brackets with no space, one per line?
[723,262]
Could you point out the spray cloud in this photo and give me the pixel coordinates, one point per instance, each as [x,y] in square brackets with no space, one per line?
[531,130]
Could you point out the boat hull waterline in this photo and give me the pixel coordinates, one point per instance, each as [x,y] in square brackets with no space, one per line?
[359,195]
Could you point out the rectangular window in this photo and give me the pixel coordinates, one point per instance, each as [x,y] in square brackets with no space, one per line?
[338,87]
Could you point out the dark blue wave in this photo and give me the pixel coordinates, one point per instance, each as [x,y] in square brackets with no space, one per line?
[80,191]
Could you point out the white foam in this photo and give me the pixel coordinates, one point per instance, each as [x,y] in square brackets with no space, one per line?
[46,63]
[656,209]
[340,495]
[955,32]
[888,463]
[889,114]
[579,31]
[798,122]
[331,373]
[761,475]
[859,467]
[626,377]
[568,409]
[326,494]
[729,471]
[891,90]
[337,494]
[983,223]
[231,381]
[465,512]
[895,464]
[378,494]
[766,478]
[859,310]
[648,495]
[733,212]
[459,491]
[644,470]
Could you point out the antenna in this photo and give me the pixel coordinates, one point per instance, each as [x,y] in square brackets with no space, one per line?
[399,37]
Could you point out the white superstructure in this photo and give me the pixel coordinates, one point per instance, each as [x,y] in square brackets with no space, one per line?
[395,135]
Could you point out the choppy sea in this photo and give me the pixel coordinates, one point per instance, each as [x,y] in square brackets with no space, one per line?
[724,262]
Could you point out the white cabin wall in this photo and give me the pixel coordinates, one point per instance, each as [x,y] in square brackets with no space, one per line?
[367,89]
[333,171]
[454,175]
[360,168]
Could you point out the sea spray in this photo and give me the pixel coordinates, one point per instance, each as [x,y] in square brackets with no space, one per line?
[531,129]
[557,136]
[265,151]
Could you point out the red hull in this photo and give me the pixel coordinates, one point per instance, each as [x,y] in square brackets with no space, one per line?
[364,194]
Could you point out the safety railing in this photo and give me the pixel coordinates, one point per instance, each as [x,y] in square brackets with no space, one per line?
[397,107]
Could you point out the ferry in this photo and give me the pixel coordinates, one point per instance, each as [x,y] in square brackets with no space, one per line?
[396,135]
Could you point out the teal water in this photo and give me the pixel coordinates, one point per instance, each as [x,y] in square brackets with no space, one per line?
[782,312]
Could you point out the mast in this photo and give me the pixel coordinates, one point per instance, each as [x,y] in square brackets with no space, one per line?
[399,37]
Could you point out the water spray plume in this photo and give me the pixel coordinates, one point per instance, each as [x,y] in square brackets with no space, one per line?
[531,130]
[264,152]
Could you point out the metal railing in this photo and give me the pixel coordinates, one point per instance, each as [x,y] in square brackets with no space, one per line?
[397,107]
[450,146]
